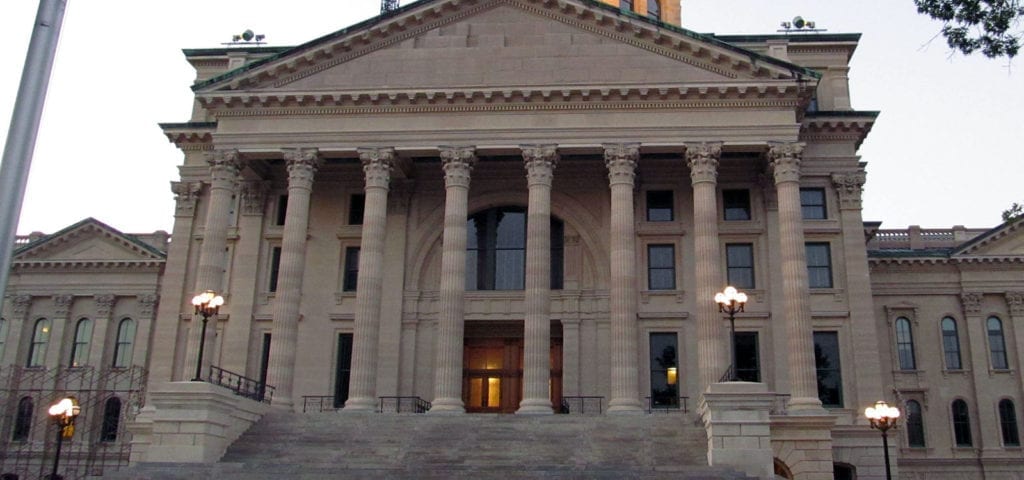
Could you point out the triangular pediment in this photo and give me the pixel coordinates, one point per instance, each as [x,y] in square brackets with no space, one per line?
[89,241]
[1005,240]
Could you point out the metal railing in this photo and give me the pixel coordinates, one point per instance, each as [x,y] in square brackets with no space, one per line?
[242,386]
[318,403]
[681,407]
[403,405]
[727,376]
[582,405]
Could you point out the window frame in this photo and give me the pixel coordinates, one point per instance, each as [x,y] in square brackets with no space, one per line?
[273,268]
[838,369]
[808,207]
[660,204]
[492,247]
[80,346]
[1008,423]
[915,425]
[999,353]
[37,347]
[729,267]
[962,435]
[651,268]
[111,420]
[905,357]
[124,343]
[745,208]
[350,272]
[946,336]
[828,267]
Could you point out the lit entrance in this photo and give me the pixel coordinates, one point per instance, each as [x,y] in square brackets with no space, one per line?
[492,369]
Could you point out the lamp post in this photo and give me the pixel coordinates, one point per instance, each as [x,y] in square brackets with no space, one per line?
[207,304]
[731,301]
[882,418]
[63,414]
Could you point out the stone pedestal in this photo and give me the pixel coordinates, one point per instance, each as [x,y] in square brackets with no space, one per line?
[736,416]
[804,444]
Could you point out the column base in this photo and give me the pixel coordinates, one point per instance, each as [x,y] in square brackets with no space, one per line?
[535,406]
[625,406]
[805,406]
[360,405]
[447,406]
[282,402]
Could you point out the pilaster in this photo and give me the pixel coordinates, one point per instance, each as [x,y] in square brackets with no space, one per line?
[98,356]
[245,268]
[147,304]
[989,441]
[55,355]
[15,348]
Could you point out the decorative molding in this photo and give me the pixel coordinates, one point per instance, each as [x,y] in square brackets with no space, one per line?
[621,160]
[785,159]
[377,166]
[702,158]
[147,304]
[850,187]
[62,305]
[540,162]
[972,302]
[1015,302]
[302,165]
[20,305]
[186,194]
[105,305]
[457,163]
[225,166]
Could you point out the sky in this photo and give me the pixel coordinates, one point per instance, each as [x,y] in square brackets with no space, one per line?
[943,152]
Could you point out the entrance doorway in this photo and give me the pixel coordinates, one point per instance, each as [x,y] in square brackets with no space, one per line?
[492,369]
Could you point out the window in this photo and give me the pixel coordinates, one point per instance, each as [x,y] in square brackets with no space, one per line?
[812,203]
[659,206]
[282,210]
[111,420]
[736,204]
[626,5]
[951,344]
[351,277]
[37,348]
[996,344]
[496,250]
[653,10]
[830,375]
[80,347]
[1008,422]
[356,206]
[961,424]
[748,361]
[843,471]
[664,371]
[739,261]
[22,420]
[915,425]
[125,342]
[275,268]
[661,267]
[819,265]
[905,344]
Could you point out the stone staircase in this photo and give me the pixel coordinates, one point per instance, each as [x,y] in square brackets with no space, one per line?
[333,445]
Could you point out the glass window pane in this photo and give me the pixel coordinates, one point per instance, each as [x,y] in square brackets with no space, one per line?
[659,206]
[356,206]
[740,265]
[511,229]
[40,340]
[736,204]
[905,344]
[653,9]
[350,282]
[661,272]
[125,343]
[951,344]
[664,364]
[997,344]
[80,349]
[1008,423]
[819,265]
[961,424]
[812,203]
[829,371]
[915,425]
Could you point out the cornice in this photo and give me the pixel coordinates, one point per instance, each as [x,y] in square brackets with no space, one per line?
[190,136]
[87,227]
[86,265]
[837,126]
[988,260]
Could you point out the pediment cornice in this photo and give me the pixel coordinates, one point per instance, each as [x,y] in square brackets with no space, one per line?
[851,126]
[985,240]
[36,253]
[190,135]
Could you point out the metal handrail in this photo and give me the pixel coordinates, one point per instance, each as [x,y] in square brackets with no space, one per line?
[315,403]
[579,405]
[682,407]
[403,405]
[242,386]
[727,376]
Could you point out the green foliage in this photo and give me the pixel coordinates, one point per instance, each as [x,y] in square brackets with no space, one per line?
[1014,212]
[992,26]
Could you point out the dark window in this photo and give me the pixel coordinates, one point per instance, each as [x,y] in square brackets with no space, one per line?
[496,250]
[37,348]
[275,268]
[843,471]
[830,375]
[812,203]
[739,260]
[660,206]
[748,361]
[125,342]
[343,369]
[915,424]
[23,420]
[264,366]
[997,344]
[557,254]
[282,209]
[951,344]
[351,278]
[653,9]
[905,344]
[1008,422]
[664,371]
[80,347]
[961,424]
[356,205]
[736,204]
[626,5]
[661,267]
[819,265]
[111,420]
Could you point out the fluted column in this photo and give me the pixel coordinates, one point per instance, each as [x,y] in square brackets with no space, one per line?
[302,165]
[785,161]
[621,160]
[458,163]
[377,165]
[711,346]
[540,163]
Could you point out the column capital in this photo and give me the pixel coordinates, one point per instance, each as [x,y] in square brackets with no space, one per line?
[1015,300]
[971,302]
[457,163]
[540,161]
[254,195]
[302,164]
[785,158]
[703,161]
[104,305]
[224,167]
[62,305]
[377,166]
[850,187]
[20,305]
[185,196]
[621,160]
[147,304]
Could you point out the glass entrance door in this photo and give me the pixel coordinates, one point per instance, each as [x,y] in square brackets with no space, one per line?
[493,374]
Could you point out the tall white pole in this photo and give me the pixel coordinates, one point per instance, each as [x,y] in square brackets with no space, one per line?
[21,138]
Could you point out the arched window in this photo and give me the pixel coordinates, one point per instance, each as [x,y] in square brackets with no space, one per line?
[23,420]
[961,424]
[125,342]
[80,347]
[111,420]
[496,250]
[1008,422]
[905,344]
[951,344]
[915,424]
[653,10]
[996,344]
[37,348]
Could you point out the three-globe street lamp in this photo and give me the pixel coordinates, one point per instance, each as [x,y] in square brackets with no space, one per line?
[207,304]
[731,301]
[63,414]
[882,418]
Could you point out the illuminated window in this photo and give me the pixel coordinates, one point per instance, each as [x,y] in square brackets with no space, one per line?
[664,370]
[40,339]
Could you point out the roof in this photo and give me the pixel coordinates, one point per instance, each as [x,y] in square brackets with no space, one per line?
[134,240]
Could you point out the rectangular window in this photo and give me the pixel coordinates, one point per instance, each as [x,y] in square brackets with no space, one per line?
[351,278]
[356,205]
[661,267]
[748,359]
[282,210]
[819,265]
[275,268]
[557,255]
[659,206]
[342,369]
[812,203]
[830,375]
[736,204]
[664,370]
[739,261]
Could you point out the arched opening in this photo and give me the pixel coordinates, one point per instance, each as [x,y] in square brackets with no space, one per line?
[23,420]
[496,250]
[781,469]
[111,420]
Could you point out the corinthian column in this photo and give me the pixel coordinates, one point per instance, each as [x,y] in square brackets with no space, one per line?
[621,160]
[711,356]
[540,163]
[302,165]
[785,160]
[458,163]
[377,165]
